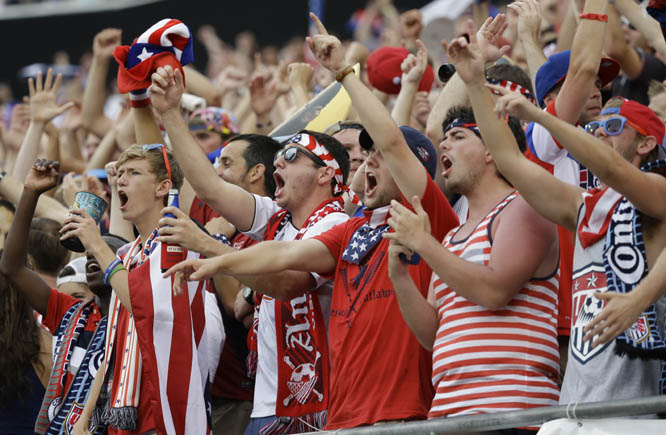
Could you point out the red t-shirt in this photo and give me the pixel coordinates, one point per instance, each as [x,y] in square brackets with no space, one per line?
[58,305]
[202,211]
[379,371]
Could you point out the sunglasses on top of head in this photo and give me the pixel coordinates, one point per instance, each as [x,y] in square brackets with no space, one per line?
[290,154]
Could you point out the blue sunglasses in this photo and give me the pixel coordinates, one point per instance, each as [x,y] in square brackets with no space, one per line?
[612,126]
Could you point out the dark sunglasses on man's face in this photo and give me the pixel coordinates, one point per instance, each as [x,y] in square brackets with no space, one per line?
[612,126]
[290,154]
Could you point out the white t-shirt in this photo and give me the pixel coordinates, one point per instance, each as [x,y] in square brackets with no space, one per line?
[265,387]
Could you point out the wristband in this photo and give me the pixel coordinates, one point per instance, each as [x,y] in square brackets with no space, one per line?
[595,17]
[222,238]
[342,74]
[139,98]
[110,269]
[118,268]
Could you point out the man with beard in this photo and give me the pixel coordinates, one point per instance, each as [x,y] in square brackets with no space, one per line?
[379,372]
[310,174]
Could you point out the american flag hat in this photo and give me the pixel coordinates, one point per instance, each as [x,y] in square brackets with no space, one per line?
[168,42]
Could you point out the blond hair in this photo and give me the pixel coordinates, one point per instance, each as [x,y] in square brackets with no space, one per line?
[155,160]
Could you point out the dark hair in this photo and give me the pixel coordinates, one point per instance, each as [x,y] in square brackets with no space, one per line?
[8,205]
[44,246]
[19,343]
[467,114]
[513,73]
[260,150]
[337,150]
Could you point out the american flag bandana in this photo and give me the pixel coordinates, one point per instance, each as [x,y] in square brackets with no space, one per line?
[368,235]
[513,87]
[168,42]
[310,143]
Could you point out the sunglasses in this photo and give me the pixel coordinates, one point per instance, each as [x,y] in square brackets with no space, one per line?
[154,146]
[612,126]
[290,154]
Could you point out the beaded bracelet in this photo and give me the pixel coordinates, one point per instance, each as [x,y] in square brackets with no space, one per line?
[110,269]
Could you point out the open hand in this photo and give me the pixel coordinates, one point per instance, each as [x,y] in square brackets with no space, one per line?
[326,48]
[43,106]
[529,18]
[167,89]
[469,62]
[620,312]
[487,38]
[43,176]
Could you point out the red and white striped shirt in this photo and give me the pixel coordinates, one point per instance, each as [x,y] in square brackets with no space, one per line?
[487,361]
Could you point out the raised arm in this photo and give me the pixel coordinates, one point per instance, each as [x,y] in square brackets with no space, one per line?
[94,94]
[405,167]
[607,164]
[230,201]
[644,23]
[619,49]
[536,185]
[454,92]
[529,23]
[42,177]
[11,189]
[413,68]
[43,108]
[583,64]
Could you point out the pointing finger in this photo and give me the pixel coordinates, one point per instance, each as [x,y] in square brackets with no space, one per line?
[320,27]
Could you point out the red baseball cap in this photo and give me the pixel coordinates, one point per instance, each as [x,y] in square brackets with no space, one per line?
[384,73]
[640,117]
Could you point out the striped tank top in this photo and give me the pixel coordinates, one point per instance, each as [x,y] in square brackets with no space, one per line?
[487,361]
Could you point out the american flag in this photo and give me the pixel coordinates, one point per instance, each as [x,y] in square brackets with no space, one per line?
[172,333]
[167,42]
[367,236]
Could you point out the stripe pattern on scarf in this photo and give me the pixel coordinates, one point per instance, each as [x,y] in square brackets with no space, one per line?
[124,400]
[625,264]
[62,407]
[302,371]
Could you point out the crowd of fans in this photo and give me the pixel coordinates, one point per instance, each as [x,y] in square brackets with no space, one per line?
[477,233]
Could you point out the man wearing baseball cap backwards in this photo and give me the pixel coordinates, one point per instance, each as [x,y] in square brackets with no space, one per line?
[568,86]
[620,228]
[379,372]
